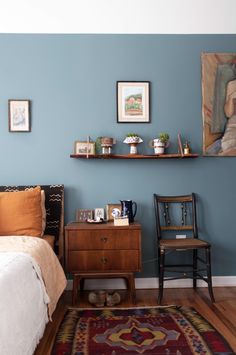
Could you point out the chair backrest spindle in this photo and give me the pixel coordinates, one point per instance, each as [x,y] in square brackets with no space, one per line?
[175,213]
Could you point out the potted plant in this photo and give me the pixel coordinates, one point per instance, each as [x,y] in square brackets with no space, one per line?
[104,145]
[133,140]
[159,144]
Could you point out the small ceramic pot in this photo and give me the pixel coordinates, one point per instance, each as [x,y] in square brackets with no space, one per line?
[159,147]
[133,148]
[106,144]
[133,142]
[107,140]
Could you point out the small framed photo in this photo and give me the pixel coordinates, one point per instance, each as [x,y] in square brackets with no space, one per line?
[133,101]
[81,148]
[19,115]
[82,215]
[99,213]
[110,207]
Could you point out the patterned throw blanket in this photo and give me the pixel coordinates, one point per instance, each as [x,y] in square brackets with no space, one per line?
[52,272]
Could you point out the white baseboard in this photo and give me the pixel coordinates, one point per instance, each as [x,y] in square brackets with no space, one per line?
[152,282]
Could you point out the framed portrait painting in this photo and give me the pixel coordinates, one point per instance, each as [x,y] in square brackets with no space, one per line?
[219,104]
[133,101]
[19,116]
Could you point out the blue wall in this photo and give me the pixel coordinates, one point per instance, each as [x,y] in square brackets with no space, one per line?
[71,80]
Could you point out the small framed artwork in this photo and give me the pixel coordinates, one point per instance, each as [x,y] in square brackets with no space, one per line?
[133,101]
[99,213]
[81,148]
[19,115]
[82,215]
[110,207]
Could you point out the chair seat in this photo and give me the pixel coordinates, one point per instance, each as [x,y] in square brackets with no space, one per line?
[186,243]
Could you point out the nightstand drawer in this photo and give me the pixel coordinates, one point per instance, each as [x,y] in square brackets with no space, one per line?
[113,260]
[103,239]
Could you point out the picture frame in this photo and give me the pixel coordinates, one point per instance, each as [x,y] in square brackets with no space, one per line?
[133,101]
[109,208]
[19,115]
[99,213]
[82,215]
[84,148]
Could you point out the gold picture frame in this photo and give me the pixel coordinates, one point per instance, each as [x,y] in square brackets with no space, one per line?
[109,208]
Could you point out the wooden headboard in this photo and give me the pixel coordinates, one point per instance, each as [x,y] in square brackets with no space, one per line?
[54,203]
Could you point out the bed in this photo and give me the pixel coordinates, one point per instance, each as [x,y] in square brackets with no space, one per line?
[31,253]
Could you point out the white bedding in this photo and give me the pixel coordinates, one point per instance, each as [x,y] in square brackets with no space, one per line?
[23,304]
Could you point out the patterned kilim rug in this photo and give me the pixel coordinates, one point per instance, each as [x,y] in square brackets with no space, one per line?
[157,330]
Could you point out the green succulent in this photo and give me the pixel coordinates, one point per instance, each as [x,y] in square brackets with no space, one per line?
[132,135]
[164,137]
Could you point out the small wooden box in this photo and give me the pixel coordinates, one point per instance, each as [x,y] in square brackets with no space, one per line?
[121,221]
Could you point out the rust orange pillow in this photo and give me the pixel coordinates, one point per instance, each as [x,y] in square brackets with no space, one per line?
[21,213]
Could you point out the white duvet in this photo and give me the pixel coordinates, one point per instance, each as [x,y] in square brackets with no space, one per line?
[23,304]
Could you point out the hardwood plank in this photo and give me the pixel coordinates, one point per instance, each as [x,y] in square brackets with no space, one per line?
[227,310]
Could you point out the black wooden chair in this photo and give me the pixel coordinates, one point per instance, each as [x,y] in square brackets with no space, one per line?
[177,214]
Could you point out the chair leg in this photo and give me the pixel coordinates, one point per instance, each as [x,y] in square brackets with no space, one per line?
[194,268]
[209,277]
[82,284]
[161,275]
[159,261]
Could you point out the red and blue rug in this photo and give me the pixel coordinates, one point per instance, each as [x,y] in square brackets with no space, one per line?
[157,330]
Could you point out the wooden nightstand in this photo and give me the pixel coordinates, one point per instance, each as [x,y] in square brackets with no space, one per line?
[103,251]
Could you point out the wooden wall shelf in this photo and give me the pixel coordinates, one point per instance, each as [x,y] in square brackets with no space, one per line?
[133,156]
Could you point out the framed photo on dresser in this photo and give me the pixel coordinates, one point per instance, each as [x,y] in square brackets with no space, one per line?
[82,215]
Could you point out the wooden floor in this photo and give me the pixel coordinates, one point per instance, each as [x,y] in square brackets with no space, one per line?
[222,314]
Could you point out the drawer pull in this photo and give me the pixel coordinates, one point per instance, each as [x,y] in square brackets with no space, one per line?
[104,239]
[104,260]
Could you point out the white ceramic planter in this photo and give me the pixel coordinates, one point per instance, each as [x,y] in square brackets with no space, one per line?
[133,149]
[159,150]
[133,142]
[158,146]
